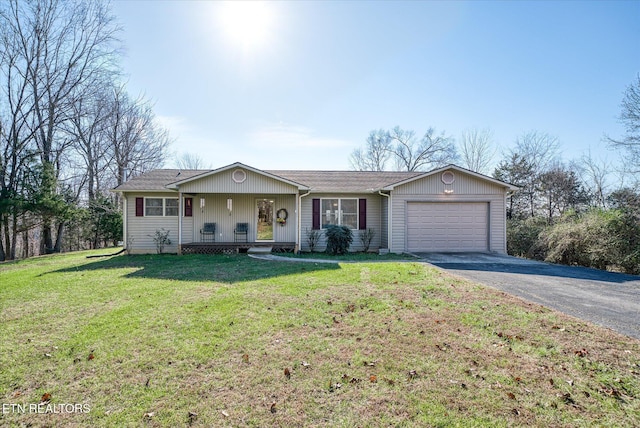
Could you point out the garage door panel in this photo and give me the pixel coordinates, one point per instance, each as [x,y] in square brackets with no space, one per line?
[447,226]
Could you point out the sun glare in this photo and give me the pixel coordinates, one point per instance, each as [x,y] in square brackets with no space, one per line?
[247,23]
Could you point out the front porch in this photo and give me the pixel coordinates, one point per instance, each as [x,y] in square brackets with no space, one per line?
[235,247]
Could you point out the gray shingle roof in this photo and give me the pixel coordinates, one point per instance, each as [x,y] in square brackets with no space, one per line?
[156,180]
[345,181]
[317,181]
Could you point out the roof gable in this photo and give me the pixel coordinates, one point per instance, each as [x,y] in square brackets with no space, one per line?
[237,165]
[454,168]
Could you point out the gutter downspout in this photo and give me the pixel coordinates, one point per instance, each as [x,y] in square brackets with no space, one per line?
[389,222]
[299,225]
[180,213]
[504,228]
[125,220]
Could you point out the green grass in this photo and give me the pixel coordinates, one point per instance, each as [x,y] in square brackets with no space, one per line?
[205,341]
[350,257]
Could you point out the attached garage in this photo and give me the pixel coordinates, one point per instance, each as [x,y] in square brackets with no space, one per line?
[447,226]
[450,209]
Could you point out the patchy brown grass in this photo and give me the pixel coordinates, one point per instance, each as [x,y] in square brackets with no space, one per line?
[276,344]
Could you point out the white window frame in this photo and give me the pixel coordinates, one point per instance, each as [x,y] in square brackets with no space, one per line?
[340,212]
[164,207]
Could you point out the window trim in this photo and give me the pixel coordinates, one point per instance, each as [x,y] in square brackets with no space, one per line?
[339,223]
[164,207]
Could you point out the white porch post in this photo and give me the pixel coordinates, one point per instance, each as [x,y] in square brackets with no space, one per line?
[180,212]
[125,220]
[390,223]
[297,246]
[299,219]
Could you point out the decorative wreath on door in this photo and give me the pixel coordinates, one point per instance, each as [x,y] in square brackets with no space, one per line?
[281,216]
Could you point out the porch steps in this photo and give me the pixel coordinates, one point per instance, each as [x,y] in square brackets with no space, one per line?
[259,250]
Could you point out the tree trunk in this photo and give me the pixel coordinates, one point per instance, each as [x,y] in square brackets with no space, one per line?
[14,235]
[25,244]
[7,237]
[58,246]
[47,238]
[2,254]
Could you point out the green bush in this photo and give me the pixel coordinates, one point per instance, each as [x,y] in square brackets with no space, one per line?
[625,226]
[339,238]
[565,242]
[599,239]
[523,237]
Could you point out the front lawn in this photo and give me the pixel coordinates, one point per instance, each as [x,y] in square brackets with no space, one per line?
[350,257]
[233,341]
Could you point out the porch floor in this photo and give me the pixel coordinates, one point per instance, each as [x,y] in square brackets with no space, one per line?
[235,247]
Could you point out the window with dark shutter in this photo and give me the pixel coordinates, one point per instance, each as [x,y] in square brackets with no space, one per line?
[362,214]
[315,214]
[188,207]
[139,207]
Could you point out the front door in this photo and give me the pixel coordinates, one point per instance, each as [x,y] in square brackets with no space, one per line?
[265,219]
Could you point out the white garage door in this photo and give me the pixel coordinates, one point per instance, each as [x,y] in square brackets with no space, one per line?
[447,226]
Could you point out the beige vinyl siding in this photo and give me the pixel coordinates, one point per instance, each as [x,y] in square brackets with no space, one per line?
[244,210]
[222,182]
[464,184]
[374,212]
[466,188]
[141,230]
[187,222]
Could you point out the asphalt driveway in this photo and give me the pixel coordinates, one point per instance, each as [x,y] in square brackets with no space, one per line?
[605,298]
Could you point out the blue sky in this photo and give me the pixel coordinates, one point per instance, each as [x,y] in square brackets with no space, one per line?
[307,82]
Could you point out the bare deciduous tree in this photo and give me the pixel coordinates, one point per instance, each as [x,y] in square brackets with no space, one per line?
[630,118]
[477,150]
[540,149]
[431,151]
[375,154]
[16,139]
[137,142]
[87,128]
[595,174]
[191,161]
[405,150]
[58,50]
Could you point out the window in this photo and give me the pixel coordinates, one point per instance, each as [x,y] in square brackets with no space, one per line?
[153,206]
[171,207]
[342,212]
[160,207]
